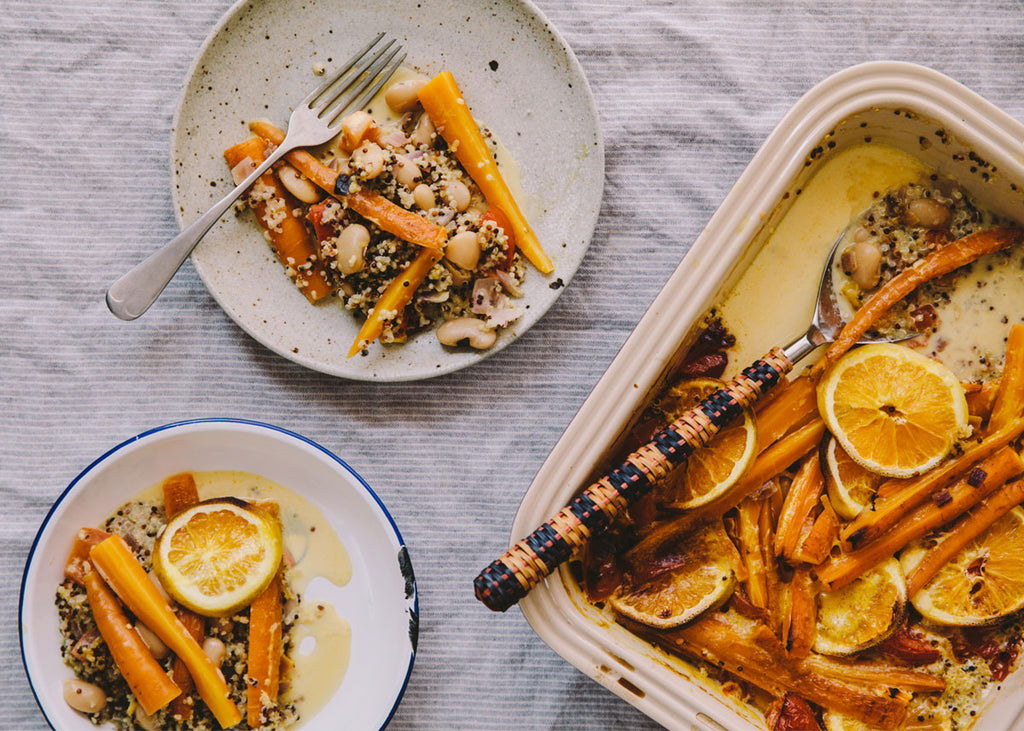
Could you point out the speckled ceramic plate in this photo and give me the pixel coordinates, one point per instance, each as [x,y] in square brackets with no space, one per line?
[379,602]
[518,76]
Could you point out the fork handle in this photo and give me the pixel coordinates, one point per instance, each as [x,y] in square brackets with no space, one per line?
[528,562]
[133,293]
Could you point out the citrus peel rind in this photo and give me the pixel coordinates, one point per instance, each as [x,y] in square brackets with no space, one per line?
[718,465]
[863,613]
[703,580]
[982,583]
[894,411]
[217,556]
[851,487]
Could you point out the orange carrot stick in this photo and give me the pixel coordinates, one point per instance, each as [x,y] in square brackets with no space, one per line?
[443,102]
[804,494]
[372,206]
[800,621]
[114,561]
[265,652]
[288,235]
[942,261]
[1009,402]
[396,297]
[946,505]
[78,565]
[792,406]
[180,492]
[972,525]
[144,675]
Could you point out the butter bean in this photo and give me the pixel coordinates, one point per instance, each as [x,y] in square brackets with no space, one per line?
[352,243]
[154,643]
[424,197]
[401,96]
[929,213]
[862,262]
[458,194]
[83,696]
[299,186]
[407,172]
[467,330]
[425,133]
[367,160]
[215,650]
[463,249]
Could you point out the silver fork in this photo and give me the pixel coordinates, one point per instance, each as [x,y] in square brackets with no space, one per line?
[315,121]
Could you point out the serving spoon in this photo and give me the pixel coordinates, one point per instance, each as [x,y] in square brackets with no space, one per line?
[511,577]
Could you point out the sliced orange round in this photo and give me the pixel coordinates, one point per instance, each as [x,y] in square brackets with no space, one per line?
[863,613]
[851,487]
[704,579]
[217,556]
[715,467]
[893,410]
[981,584]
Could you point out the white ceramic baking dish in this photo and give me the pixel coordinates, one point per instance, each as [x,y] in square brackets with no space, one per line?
[914,109]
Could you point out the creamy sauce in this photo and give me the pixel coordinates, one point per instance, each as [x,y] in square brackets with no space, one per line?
[322,639]
[773,301]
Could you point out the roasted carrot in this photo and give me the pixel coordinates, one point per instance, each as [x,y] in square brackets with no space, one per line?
[778,457]
[77,565]
[799,622]
[803,496]
[372,206]
[749,529]
[946,505]
[898,497]
[180,492]
[265,652]
[980,398]
[443,102]
[144,675]
[942,261]
[818,536]
[791,408]
[114,561]
[972,525]
[288,235]
[396,297]
[1009,401]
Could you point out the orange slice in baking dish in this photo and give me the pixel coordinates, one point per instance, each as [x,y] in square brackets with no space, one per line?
[893,410]
[217,556]
[715,467]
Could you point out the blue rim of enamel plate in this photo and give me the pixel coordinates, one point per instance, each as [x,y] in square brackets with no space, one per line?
[412,596]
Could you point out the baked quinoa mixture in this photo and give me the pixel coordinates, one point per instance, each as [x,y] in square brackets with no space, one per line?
[84,651]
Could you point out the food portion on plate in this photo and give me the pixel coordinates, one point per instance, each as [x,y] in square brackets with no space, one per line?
[405,217]
[185,609]
[851,554]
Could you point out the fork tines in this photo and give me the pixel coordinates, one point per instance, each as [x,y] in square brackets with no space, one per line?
[362,76]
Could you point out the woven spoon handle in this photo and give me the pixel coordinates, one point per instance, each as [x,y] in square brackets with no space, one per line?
[529,561]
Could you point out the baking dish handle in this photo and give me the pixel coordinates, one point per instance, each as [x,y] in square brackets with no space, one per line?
[528,562]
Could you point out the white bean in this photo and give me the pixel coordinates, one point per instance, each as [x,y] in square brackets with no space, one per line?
[299,186]
[929,213]
[424,197]
[407,172]
[463,249]
[154,643]
[458,194]
[144,721]
[83,696]
[467,329]
[352,243]
[862,262]
[215,650]
[425,132]
[368,160]
[401,96]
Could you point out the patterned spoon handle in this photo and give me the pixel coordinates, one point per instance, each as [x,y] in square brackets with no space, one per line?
[529,561]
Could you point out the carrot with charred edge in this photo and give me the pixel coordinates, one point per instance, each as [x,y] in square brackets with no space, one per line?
[114,561]
[372,206]
[796,403]
[946,505]
[396,297]
[942,261]
[77,565]
[180,492]
[799,623]
[288,235]
[447,109]
[817,539]
[265,652]
[981,397]
[144,675]
[896,498]
[972,525]
[749,650]
[749,533]
[804,494]
[1009,402]
[776,589]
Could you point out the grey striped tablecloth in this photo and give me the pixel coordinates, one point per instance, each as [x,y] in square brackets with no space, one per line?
[687,91]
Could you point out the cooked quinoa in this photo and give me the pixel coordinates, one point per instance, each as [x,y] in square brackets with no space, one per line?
[139,522]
